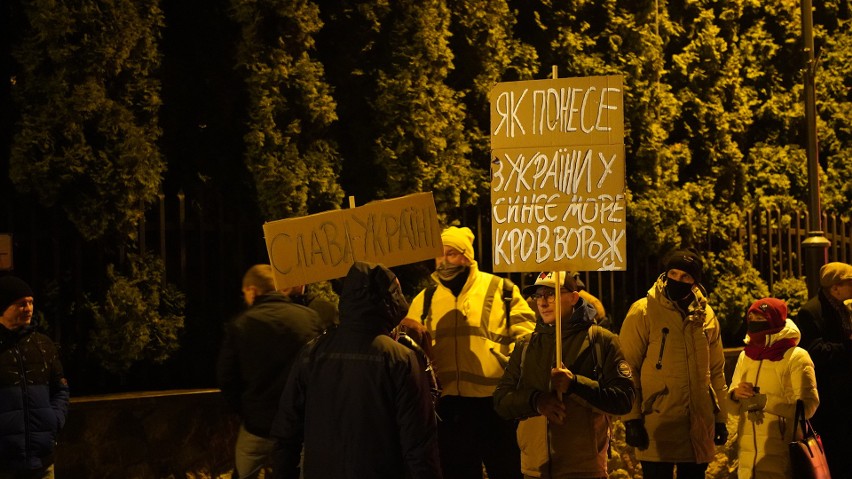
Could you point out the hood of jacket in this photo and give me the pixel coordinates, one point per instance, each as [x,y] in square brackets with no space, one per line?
[696,307]
[581,319]
[789,331]
[371,299]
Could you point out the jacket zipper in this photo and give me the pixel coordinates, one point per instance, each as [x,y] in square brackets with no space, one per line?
[662,348]
[754,426]
[23,375]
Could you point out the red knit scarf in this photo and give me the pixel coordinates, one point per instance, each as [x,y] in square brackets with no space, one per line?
[756,348]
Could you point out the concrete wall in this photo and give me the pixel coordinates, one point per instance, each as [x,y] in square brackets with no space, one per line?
[188,433]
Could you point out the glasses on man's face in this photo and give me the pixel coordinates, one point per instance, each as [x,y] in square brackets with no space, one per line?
[546,295]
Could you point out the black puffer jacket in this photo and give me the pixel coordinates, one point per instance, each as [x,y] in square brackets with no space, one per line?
[821,325]
[257,353]
[363,395]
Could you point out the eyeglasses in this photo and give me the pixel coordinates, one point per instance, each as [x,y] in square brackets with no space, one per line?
[547,295]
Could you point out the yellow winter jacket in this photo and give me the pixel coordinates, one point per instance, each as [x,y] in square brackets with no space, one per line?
[470,337]
[678,369]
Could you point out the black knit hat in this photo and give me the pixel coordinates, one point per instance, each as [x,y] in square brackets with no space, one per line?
[12,289]
[686,260]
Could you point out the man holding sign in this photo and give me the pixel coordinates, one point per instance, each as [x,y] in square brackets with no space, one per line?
[472,333]
[564,427]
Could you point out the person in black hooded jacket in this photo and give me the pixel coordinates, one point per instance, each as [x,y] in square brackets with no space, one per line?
[365,396]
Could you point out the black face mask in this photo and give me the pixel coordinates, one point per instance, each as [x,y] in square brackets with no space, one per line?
[448,272]
[757,326]
[677,290]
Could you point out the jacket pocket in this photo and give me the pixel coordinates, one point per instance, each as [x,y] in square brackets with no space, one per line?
[653,401]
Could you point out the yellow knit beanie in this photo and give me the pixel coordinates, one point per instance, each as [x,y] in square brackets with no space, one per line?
[460,239]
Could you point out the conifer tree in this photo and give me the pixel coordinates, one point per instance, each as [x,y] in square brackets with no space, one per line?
[485,52]
[401,126]
[88,95]
[293,161]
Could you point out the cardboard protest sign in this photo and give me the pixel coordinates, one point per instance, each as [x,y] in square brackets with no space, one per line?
[323,246]
[557,175]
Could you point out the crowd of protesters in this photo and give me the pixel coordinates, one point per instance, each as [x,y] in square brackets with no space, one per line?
[465,380]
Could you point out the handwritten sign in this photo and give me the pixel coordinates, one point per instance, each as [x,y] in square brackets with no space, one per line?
[323,246]
[6,262]
[557,175]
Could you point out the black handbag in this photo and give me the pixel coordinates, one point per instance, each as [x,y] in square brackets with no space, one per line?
[807,456]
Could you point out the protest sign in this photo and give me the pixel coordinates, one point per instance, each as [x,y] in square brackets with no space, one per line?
[557,175]
[323,246]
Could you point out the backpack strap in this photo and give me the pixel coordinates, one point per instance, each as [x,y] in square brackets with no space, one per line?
[526,343]
[508,290]
[427,302]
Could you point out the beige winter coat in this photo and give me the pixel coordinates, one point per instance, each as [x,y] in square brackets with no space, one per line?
[678,369]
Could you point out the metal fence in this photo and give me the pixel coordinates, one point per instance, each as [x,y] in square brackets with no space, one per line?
[771,239]
[207,242]
[206,245]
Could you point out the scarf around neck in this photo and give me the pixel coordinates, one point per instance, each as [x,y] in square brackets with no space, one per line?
[756,348]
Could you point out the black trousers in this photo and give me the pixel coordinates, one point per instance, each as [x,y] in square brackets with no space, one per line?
[471,434]
[664,470]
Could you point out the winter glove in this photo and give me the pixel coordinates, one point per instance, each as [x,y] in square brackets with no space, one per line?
[635,434]
[721,436]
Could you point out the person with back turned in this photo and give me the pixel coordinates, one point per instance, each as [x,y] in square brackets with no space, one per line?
[357,400]
[256,356]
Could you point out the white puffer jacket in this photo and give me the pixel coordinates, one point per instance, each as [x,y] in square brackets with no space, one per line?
[763,436]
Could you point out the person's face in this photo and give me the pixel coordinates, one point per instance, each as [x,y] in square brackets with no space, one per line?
[842,290]
[545,300]
[454,257]
[18,314]
[680,275]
